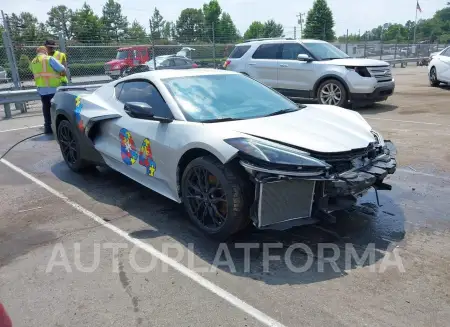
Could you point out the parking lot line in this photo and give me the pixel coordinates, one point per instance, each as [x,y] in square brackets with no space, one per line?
[405,121]
[230,298]
[18,129]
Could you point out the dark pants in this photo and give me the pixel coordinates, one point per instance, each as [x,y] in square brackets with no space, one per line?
[46,104]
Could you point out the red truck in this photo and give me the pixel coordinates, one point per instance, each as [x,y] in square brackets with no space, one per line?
[125,58]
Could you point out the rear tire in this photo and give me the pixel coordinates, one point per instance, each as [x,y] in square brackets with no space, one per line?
[70,147]
[214,196]
[332,92]
[434,82]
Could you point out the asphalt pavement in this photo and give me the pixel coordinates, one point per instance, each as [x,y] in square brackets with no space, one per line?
[58,232]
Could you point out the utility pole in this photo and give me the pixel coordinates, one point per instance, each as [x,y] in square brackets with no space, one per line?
[153,43]
[300,22]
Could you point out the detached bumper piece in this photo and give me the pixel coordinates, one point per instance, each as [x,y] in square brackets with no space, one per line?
[356,182]
[283,201]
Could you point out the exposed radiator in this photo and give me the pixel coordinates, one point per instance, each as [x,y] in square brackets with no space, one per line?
[281,201]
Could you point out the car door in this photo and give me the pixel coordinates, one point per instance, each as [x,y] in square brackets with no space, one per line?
[181,63]
[263,65]
[295,78]
[138,147]
[443,69]
[167,64]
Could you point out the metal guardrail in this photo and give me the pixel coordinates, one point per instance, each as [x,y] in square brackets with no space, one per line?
[21,96]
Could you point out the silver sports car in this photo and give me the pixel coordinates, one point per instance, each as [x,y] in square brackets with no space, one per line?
[232,150]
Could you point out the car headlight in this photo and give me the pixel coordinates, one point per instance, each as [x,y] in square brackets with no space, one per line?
[378,137]
[275,153]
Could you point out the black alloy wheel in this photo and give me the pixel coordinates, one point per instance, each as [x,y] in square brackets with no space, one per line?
[70,147]
[214,197]
[207,198]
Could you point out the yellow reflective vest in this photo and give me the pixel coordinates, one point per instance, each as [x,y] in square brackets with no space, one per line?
[61,57]
[44,74]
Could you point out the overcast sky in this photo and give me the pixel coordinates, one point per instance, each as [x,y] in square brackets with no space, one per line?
[348,14]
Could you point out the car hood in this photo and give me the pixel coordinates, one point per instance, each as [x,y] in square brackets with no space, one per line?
[356,62]
[319,128]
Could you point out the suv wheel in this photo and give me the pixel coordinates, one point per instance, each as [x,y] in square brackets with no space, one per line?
[332,92]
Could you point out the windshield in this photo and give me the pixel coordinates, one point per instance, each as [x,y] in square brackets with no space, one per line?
[220,96]
[122,55]
[325,51]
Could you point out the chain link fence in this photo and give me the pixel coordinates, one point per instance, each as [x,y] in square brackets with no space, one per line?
[93,60]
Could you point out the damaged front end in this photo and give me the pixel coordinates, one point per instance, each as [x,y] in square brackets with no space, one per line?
[295,187]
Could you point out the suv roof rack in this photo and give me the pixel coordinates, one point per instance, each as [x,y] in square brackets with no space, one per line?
[270,38]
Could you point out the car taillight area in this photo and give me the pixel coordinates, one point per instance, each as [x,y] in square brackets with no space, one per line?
[194,65]
[226,64]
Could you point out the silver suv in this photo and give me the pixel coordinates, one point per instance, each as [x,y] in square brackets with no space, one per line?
[313,69]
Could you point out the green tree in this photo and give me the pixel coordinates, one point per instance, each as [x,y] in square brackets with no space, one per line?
[189,26]
[319,22]
[24,62]
[59,18]
[255,30]
[86,25]
[212,12]
[136,32]
[157,23]
[272,29]
[227,31]
[114,22]
[435,29]
[167,31]
[25,27]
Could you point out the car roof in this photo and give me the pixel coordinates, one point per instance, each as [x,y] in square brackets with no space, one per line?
[171,73]
[281,40]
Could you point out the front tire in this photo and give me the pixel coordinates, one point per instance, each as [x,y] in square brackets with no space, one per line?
[214,197]
[434,82]
[70,147]
[332,92]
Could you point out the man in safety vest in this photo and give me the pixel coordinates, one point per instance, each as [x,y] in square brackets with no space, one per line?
[47,73]
[58,55]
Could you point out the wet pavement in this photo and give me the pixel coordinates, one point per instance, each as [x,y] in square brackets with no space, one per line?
[412,223]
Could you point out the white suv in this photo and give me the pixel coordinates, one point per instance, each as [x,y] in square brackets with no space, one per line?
[313,69]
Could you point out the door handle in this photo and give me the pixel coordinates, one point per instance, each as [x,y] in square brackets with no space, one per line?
[284,65]
[252,64]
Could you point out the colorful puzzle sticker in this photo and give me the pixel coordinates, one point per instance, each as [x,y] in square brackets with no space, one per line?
[127,147]
[146,157]
[78,107]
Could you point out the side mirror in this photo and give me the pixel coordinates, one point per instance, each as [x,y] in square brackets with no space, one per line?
[304,57]
[142,110]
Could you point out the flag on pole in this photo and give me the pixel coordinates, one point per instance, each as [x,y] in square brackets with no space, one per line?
[418,6]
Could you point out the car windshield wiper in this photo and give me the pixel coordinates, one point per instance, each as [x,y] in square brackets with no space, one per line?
[218,120]
[283,111]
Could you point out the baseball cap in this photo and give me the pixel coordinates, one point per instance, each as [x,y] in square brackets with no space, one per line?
[50,44]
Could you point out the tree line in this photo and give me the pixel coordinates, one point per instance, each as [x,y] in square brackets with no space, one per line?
[83,25]
[202,25]
[432,30]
